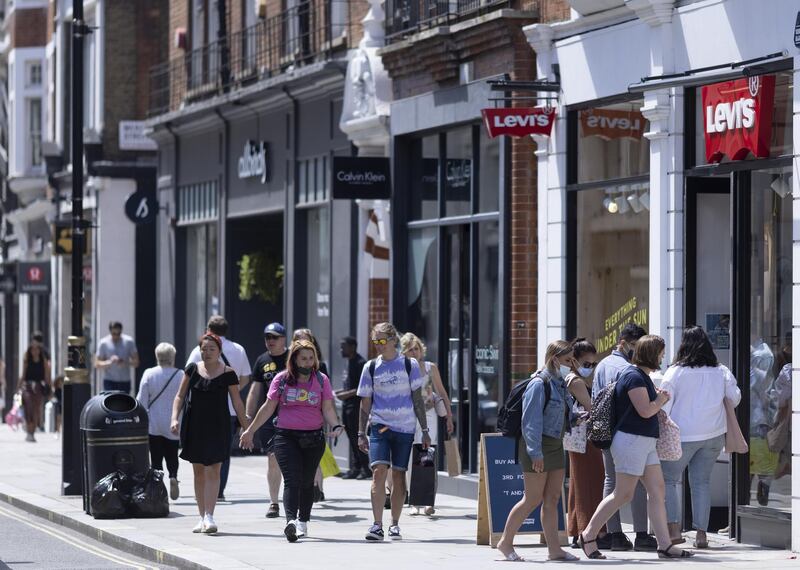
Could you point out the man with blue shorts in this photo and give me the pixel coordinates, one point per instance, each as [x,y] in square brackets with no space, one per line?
[391,391]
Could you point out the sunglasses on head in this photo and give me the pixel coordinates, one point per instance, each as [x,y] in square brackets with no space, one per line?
[377,341]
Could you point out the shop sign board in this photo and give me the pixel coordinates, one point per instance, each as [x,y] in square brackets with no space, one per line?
[611,124]
[33,277]
[797,31]
[254,162]
[132,136]
[737,117]
[361,178]
[519,121]
[62,238]
[141,207]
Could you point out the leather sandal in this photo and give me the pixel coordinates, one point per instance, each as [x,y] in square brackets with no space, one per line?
[596,555]
[666,554]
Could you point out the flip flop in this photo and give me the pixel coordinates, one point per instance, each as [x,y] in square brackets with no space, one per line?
[566,558]
[511,557]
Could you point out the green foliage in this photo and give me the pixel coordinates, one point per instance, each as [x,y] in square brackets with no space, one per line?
[260,276]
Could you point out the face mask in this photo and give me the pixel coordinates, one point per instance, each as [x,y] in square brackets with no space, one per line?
[304,371]
[565,370]
[585,372]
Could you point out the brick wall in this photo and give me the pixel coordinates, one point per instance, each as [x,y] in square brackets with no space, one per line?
[378,306]
[27,28]
[178,18]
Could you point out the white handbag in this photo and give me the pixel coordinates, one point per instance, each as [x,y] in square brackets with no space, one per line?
[575,440]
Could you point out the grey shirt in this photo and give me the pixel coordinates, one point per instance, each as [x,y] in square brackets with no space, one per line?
[124,349]
[608,371]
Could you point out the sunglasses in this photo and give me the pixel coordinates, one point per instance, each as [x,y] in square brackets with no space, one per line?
[589,364]
[377,341]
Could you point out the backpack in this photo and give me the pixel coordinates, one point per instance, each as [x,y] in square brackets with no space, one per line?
[602,421]
[372,365]
[509,418]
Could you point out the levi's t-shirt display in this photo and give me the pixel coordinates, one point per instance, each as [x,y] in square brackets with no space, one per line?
[390,391]
[300,406]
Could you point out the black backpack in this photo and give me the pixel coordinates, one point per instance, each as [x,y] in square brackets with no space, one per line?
[509,418]
[373,363]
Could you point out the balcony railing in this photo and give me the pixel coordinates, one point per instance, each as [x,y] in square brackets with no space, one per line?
[408,17]
[305,33]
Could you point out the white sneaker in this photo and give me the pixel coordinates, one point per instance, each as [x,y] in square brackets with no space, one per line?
[302,528]
[199,526]
[414,511]
[210,527]
[174,489]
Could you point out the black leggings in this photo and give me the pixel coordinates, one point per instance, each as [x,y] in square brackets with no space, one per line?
[163,448]
[298,454]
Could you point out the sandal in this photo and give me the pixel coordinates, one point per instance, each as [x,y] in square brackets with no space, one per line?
[566,558]
[665,553]
[596,555]
[511,557]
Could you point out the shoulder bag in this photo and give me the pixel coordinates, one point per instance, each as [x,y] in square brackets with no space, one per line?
[187,403]
[668,445]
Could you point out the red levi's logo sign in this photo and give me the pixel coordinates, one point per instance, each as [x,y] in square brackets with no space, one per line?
[519,121]
[737,116]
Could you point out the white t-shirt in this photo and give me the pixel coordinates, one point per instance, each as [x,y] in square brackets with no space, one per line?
[160,412]
[696,399]
[237,359]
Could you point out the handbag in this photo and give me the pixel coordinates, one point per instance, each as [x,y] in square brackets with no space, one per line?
[328,464]
[439,405]
[778,435]
[668,445]
[453,456]
[575,439]
[187,404]
[735,441]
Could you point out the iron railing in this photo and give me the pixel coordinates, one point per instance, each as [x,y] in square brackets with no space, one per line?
[408,17]
[305,33]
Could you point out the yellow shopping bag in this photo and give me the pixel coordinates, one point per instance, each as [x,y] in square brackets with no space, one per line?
[328,463]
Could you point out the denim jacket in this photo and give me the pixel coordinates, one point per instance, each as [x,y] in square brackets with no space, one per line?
[538,421]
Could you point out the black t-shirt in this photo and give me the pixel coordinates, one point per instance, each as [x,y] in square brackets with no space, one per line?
[355,366]
[628,419]
[268,366]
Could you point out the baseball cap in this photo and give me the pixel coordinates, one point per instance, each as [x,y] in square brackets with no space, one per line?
[275,329]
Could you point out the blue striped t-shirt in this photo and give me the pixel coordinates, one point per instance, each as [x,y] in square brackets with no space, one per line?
[390,391]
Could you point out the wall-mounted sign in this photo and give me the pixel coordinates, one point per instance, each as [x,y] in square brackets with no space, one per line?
[737,116]
[519,121]
[133,137]
[33,277]
[797,31]
[62,238]
[362,178]
[254,161]
[141,207]
[612,124]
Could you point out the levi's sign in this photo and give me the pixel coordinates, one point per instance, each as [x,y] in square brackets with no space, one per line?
[612,124]
[519,122]
[737,117]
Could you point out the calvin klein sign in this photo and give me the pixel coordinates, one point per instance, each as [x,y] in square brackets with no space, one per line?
[254,161]
[361,178]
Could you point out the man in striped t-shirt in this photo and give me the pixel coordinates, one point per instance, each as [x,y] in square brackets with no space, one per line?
[391,390]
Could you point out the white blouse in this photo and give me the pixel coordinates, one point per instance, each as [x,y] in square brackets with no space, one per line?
[696,399]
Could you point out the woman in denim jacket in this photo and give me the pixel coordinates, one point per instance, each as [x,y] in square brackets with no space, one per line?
[541,452]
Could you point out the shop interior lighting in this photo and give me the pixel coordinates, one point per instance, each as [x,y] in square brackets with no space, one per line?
[635,203]
[609,203]
[644,198]
[782,186]
[622,203]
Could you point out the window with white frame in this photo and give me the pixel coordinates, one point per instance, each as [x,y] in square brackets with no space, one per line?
[33,74]
[34,132]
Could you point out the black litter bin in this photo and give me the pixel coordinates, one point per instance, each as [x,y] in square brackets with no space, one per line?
[114,437]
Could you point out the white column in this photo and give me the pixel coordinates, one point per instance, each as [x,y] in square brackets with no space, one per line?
[796,315]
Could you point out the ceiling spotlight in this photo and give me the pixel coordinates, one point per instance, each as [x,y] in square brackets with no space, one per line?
[644,199]
[781,186]
[622,204]
[634,202]
[612,206]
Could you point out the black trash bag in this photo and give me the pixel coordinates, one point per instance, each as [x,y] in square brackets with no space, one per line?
[149,497]
[110,496]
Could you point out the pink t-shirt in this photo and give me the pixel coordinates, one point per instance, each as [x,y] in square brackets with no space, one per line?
[300,407]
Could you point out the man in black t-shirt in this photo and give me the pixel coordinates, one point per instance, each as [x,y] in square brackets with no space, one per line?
[359,461]
[267,366]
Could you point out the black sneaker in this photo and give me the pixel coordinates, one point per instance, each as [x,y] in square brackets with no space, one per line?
[273,511]
[604,542]
[366,474]
[350,475]
[290,530]
[574,543]
[646,543]
[375,533]
[620,542]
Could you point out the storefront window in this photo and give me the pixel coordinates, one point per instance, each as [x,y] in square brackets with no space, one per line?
[770,339]
[458,172]
[318,281]
[487,346]
[489,187]
[611,142]
[423,269]
[424,203]
[202,280]
[781,119]
[611,267]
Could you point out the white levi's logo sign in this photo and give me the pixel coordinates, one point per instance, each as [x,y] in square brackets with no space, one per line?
[518,121]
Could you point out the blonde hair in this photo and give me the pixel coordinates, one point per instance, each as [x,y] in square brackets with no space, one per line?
[388,329]
[554,350]
[409,340]
[165,354]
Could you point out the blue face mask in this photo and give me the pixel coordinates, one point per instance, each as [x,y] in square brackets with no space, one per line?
[565,370]
[585,372]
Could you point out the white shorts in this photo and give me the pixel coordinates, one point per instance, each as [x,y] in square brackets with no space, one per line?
[632,453]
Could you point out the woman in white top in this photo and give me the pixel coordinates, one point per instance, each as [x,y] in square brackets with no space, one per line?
[157,393]
[413,347]
[699,385]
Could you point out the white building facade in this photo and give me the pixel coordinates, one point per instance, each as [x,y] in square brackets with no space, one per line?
[669,195]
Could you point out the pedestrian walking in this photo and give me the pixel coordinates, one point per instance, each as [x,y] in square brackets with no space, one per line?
[267,366]
[34,384]
[586,471]
[359,461]
[205,427]
[116,357]
[157,393]
[432,389]
[545,415]
[698,386]
[637,403]
[303,399]
[390,389]
[234,356]
[608,371]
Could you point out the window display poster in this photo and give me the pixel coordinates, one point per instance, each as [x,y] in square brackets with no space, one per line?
[718,327]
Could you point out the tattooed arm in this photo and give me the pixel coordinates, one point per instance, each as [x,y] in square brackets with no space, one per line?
[422,417]
[363,420]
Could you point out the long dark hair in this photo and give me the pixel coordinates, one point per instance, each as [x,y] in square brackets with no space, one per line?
[695,350]
[581,346]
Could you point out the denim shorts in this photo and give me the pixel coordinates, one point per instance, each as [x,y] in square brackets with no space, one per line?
[390,448]
[632,453]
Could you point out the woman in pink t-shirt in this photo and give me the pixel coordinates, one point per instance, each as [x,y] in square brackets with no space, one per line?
[304,400]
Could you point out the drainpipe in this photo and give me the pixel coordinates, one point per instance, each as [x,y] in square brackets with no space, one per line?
[291,191]
[222,241]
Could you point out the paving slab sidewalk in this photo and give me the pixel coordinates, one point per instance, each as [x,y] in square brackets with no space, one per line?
[30,479]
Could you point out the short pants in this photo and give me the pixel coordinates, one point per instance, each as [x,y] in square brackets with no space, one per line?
[389,447]
[632,453]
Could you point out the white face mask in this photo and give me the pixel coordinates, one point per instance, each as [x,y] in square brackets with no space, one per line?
[585,372]
[565,370]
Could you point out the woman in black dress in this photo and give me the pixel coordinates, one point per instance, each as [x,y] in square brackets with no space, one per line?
[35,382]
[206,435]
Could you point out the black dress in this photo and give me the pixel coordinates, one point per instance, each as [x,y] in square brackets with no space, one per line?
[208,434]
